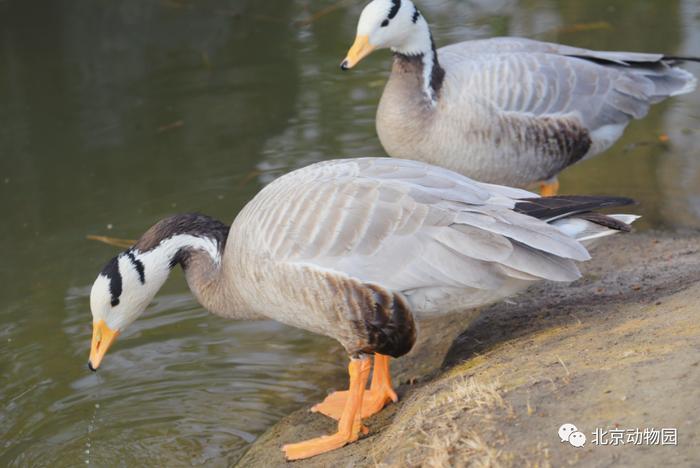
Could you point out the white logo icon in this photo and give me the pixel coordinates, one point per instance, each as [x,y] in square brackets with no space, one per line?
[577,439]
[565,431]
[569,433]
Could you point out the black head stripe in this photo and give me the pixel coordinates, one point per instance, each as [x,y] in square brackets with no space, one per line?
[182,258]
[111,271]
[396,4]
[138,265]
[416,14]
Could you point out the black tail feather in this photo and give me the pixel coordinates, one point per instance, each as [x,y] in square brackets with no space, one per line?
[605,221]
[560,206]
[676,60]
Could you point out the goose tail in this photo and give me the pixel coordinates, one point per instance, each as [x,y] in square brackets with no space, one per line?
[673,81]
[578,216]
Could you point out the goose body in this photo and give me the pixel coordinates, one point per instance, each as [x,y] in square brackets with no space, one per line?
[359,250]
[506,110]
[371,231]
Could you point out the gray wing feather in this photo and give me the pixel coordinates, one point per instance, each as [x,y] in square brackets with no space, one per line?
[523,45]
[605,90]
[407,225]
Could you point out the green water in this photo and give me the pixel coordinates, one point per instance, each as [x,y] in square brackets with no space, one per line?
[114,114]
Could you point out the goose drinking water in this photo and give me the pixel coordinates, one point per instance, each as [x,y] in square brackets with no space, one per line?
[359,250]
[506,110]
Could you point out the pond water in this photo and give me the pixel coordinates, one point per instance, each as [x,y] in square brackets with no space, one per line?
[116,114]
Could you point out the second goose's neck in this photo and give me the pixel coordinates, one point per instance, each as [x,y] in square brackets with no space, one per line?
[420,57]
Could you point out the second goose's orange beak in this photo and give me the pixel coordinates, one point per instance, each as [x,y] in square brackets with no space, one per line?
[102,339]
[359,50]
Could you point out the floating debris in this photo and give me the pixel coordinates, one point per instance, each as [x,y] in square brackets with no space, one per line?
[581,27]
[171,126]
[661,140]
[206,61]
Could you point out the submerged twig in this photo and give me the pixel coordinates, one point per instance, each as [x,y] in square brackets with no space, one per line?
[171,126]
[113,241]
[323,12]
[581,27]
[252,175]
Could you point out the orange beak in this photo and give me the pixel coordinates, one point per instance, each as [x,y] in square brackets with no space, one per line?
[102,339]
[359,50]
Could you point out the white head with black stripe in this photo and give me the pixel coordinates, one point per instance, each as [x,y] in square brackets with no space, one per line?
[394,24]
[129,282]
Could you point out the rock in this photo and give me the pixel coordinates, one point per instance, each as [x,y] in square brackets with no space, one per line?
[618,349]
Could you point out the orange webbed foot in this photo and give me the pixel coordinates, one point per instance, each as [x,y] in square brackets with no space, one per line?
[349,425]
[375,399]
[372,403]
[317,446]
[332,406]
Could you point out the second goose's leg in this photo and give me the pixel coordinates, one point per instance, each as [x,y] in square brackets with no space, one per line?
[380,393]
[549,188]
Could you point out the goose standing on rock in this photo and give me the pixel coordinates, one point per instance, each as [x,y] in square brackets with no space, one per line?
[506,110]
[359,250]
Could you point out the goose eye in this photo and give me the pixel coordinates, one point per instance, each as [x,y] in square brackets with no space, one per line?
[385,23]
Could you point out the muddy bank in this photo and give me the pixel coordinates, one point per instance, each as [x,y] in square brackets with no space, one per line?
[618,349]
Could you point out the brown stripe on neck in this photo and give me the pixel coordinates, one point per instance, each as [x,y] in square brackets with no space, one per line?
[415,64]
[193,224]
[438,75]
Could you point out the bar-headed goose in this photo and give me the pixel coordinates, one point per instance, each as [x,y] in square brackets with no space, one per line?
[359,250]
[506,110]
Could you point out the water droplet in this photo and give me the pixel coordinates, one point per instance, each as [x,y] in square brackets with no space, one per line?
[90,429]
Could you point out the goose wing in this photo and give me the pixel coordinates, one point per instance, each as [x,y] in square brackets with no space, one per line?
[407,225]
[601,90]
[523,45]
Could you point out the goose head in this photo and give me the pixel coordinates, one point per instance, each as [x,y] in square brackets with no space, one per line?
[393,24]
[129,282]
[119,295]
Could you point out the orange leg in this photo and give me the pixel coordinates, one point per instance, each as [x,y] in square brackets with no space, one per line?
[380,393]
[549,188]
[350,423]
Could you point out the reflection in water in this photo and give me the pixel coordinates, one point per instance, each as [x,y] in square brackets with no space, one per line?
[184,387]
[120,113]
[679,171]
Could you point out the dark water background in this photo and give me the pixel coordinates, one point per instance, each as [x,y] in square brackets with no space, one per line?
[114,114]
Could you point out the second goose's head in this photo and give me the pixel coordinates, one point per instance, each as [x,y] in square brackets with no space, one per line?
[393,24]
